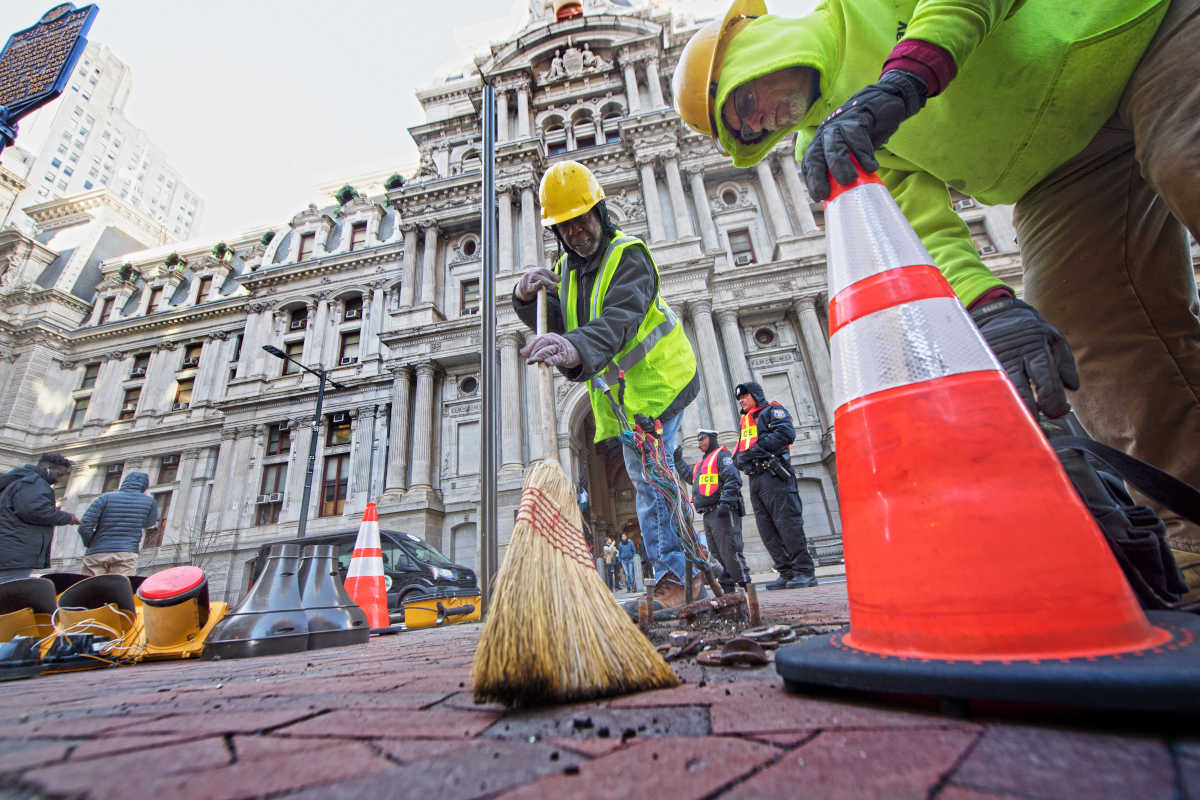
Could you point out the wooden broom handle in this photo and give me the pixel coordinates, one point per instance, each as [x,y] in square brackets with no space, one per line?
[546,389]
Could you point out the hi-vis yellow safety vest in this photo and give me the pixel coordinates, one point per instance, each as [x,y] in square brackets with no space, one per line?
[658,362]
[704,474]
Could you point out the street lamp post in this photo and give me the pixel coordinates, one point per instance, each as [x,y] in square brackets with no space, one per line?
[322,376]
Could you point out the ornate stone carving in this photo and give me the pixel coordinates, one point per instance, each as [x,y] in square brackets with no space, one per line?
[572,63]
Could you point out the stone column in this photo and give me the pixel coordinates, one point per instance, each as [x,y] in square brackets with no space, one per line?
[501,116]
[708,230]
[735,351]
[683,218]
[529,231]
[631,86]
[378,453]
[652,80]
[505,231]
[361,440]
[372,322]
[105,402]
[429,265]
[650,197]
[770,190]
[408,287]
[510,379]
[523,110]
[158,390]
[315,332]
[240,479]
[817,348]
[423,428]
[297,464]
[224,484]
[397,467]
[800,199]
[177,516]
[208,374]
[709,355]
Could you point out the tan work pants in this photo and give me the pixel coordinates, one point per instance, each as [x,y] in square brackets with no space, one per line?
[110,564]
[1107,261]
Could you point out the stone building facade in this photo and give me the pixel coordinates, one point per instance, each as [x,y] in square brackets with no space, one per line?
[152,357]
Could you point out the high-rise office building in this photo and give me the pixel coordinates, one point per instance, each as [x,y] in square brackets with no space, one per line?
[87,143]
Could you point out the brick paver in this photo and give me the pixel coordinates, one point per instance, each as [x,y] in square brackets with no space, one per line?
[395,718]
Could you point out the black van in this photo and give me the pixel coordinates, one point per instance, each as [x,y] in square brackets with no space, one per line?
[410,566]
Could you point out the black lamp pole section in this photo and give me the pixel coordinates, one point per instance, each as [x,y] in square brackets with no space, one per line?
[316,427]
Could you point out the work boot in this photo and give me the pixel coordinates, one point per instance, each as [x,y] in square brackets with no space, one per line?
[779,583]
[802,582]
[669,592]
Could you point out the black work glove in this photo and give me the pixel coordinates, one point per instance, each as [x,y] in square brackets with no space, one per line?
[1032,351]
[858,128]
[677,456]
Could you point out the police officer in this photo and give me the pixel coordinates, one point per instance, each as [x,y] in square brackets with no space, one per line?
[718,496]
[762,453]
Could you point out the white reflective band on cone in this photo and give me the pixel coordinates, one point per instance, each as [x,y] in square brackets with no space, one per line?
[866,234]
[905,344]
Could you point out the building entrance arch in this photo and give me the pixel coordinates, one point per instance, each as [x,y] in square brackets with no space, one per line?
[599,467]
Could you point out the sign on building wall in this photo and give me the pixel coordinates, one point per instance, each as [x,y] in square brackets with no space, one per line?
[37,62]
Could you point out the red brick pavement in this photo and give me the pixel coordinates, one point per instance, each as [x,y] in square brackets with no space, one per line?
[395,718]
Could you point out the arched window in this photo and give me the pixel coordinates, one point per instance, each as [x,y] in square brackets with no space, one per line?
[555,136]
[585,131]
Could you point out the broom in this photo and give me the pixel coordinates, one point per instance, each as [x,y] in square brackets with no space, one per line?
[553,633]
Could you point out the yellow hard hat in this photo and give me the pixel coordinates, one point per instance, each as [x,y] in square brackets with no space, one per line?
[694,84]
[569,190]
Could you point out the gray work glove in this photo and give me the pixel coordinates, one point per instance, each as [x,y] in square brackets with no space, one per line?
[1033,353]
[858,128]
[553,349]
[534,279]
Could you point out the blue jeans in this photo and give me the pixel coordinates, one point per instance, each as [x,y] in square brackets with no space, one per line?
[630,580]
[654,514]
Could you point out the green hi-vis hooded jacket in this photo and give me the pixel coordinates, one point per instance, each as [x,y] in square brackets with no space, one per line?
[1036,80]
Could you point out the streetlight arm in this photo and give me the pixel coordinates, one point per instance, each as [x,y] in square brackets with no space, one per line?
[275,351]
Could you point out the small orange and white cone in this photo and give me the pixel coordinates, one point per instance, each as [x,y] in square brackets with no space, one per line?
[364,580]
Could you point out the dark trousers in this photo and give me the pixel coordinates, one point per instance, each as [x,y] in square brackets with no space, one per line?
[724,530]
[779,515]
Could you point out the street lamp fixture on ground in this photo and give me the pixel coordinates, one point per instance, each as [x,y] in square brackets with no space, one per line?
[322,376]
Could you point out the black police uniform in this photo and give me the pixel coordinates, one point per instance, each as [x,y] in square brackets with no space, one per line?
[773,493]
[723,512]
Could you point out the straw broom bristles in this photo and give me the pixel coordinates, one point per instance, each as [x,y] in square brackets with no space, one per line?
[554,633]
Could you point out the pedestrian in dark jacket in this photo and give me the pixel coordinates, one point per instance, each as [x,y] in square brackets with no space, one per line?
[113,525]
[28,515]
[627,551]
[762,453]
[718,497]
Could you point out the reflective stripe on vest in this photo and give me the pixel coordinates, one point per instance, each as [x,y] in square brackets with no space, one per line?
[658,362]
[893,319]
[705,474]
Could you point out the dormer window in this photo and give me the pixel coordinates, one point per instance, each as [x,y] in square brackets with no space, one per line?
[358,235]
[205,287]
[308,244]
[106,309]
[156,297]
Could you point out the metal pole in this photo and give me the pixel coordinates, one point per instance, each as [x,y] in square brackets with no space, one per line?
[312,457]
[488,429]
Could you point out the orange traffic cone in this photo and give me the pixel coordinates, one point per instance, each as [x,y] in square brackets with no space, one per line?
[364,579]
[973,569]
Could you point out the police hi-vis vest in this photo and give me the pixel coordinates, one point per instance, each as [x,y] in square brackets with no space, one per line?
[658,361]
[705,475]
[749,434]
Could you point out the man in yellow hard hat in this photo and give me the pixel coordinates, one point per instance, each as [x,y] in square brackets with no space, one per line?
[1082,114]
[608,325]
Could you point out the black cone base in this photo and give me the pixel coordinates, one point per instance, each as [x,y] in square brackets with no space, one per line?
[1163,679]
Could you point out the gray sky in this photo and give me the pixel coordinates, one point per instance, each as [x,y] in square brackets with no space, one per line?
[258,102]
